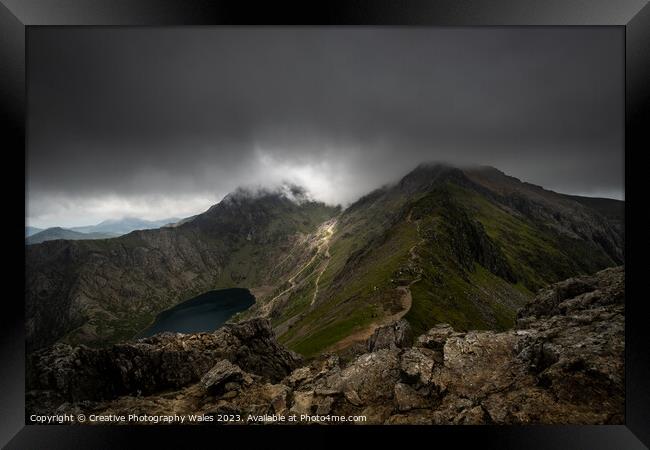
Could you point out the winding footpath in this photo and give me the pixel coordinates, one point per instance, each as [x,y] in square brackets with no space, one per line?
[363,334]
[329,232]
[325,233]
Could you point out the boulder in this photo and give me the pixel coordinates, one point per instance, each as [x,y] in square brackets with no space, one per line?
[224,376]
[372,376]
[436,337]
[397,335]
[416,366]
[407,398]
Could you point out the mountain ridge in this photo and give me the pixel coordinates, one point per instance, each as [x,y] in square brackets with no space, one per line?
[104,230]
[29,231]
[441,240]
[54,233]
[125,225]
[443,244]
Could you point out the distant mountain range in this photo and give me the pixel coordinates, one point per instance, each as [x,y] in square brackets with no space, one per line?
[125,225]
[464,246]
[104,230]
[29,231]
[53,233]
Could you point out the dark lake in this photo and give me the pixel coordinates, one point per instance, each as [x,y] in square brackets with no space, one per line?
[206,312]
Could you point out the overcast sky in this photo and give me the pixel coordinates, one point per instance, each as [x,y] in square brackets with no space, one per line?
[164,122]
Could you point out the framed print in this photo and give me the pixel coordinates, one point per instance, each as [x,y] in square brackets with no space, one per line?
[357,218]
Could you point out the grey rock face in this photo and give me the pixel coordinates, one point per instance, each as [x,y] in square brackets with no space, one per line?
[564,364]
[397,335]
[407,398]
[416,366]
[576,294]
[572,216]
[224,376]
[436,337]
[160,362]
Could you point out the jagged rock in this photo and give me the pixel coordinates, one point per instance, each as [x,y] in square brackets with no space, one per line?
[574,294]
[326,391]
[561,368]
[537,353]
[298,375]
[407,398]
[371,376]
[327,365]
[236,385]
[376,414]
[302,402]
[324,405]
[436,337]
[416,366]
[476,363]
[161,362]
[411,418]
[352,397]
[470,416]
[279,394]
[224,376]
[397,335]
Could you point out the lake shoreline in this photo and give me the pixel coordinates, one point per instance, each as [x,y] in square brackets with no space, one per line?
[204,313]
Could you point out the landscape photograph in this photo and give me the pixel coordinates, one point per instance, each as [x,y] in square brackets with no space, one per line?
[325,226]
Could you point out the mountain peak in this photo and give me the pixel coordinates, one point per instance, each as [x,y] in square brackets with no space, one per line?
[485,169]
[292,192]
[436,165]
[428,174]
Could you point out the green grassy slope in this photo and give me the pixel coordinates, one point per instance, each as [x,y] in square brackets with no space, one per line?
[468,260]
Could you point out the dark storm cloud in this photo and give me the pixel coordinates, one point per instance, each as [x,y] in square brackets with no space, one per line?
[191,113]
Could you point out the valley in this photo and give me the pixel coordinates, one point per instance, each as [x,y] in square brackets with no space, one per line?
[466,247]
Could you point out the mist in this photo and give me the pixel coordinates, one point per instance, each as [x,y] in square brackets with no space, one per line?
[157,123]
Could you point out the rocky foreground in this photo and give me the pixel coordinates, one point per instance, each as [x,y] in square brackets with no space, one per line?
[563,363]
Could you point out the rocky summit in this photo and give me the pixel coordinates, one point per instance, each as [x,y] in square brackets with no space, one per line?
[562,363]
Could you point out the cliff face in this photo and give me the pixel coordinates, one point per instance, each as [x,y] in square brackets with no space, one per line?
[570,215]
[104,291]
[146,366]
[563,363]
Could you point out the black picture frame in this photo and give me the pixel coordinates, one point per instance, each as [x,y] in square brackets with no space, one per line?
[16,18]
